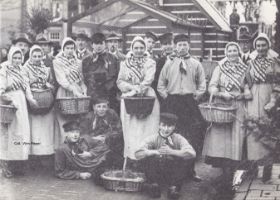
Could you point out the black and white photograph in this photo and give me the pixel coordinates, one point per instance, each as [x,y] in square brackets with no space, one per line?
[139,99]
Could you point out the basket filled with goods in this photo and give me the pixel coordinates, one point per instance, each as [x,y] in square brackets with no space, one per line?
[73,105]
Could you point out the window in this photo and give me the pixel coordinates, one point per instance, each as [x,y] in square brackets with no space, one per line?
[55,36]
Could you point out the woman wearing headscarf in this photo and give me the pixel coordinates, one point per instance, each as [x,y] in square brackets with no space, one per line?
[14,137]
[223,142]
[69,76]
[264,70]
[41,124]
[135,77]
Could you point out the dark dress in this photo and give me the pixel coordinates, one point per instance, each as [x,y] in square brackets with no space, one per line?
[100,75]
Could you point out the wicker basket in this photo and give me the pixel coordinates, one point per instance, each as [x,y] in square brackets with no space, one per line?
[7,113]
[218,112]
[45,100]
[130,182]
[139,105]
[73,106]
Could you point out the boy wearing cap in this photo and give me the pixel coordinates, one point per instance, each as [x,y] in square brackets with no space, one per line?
[79,157]
[150,40]
[100,72]
[181,83]
[165,158]
[24,43]
[104,124]
[81,41]
[113,46]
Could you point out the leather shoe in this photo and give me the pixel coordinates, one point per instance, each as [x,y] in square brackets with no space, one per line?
[173,192]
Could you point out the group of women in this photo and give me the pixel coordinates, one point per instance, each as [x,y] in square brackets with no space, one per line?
[35,134]
[246,86]
[252,88]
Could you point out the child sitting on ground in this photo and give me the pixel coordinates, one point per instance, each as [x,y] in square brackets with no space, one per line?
[165,158]
[80,157]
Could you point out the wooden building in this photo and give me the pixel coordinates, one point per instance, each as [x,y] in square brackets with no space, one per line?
[206,27]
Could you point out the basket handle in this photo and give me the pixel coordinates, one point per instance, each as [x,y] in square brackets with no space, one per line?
[211,98]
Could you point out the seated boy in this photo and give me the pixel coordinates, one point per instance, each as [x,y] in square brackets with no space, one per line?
[104,124]
[165,158]
[80,157]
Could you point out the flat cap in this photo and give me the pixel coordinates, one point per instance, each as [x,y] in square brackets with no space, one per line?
[98,38]
[150,34]
[71,126]
[181,38]
[168,118]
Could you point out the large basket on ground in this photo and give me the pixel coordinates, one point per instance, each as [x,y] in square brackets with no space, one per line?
[139,105]
[119,181]
[73,105]
[218,112]
[45,100]
[7,113]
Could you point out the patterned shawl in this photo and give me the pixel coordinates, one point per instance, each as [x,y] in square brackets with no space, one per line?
[69,64]
[234,71]
[40,71]
[14,72]
[136,64]
[259,66]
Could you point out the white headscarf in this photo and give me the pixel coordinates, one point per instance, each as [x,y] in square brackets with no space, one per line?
[234,71]
[137,39]
[9,60]
[15,71]
[12,51]
[270,54]
[33,48]
[69,65]
[232,44]
[262,36]
[66,40]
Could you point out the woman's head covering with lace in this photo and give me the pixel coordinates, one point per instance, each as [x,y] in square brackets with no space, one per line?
[14,72]
[262,36]
[234,71]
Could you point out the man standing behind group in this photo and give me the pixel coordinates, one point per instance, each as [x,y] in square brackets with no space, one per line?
[100,72]
[181,83]
[150,40]
[244,42]
[82,51]
[113,42]
[166,41]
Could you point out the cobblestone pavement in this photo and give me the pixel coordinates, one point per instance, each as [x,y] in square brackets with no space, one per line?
[257,190]
[40,184]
